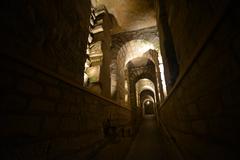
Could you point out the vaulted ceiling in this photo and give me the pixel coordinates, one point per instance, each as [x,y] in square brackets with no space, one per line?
[130,14]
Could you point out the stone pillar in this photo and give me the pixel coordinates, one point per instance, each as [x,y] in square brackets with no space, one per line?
[99,50]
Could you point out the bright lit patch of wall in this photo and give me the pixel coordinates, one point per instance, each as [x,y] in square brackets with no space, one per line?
[141,85]
[94,51]
[85,79]
[113,84]
[126,98]
[126,91]
[148,100]
[161,67]
[126,85]
[136,48]
[93,74]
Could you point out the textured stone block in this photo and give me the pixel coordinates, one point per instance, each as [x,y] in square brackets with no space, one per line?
[35,151]
[224,130]
[65,72]
[14,102]
[192,110]
[199,127]
[29,86]
[20,125]
[43,105]
[69,124]
[52,92]
[50,125]
[7,80]
[46,79]
[69,97]
[75,109]
[210,105]
[63,107]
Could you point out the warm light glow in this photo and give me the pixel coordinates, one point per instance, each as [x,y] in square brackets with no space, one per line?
[96,29]
[90,38]
[85,79]
[126,97]
[135,51]
[113,84]
[87,64]
[137,48]
[161,67]
[141,85]
[148,102]
[126,91]
[93,73]
[145,84]
[126,85]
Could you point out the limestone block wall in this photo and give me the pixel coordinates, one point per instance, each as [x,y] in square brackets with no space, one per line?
[201,113]
[196,21]
[46,116]
[123,45]
[99,52]
[106,46]
[52,34]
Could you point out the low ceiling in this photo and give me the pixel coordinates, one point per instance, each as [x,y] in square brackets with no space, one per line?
[130,14]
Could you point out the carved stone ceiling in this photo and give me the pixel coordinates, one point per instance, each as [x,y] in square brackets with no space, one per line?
[130,14]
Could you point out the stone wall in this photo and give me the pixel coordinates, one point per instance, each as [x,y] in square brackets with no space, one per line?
[121,49]
[50,33]
[44,116]
[45,113]
[201,113]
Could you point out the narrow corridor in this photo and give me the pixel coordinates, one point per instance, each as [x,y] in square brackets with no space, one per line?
[77,76]
[147,144]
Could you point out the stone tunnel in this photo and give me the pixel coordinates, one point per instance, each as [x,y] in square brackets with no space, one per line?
[120,79]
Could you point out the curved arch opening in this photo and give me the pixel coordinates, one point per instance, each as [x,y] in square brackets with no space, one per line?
[135,48]
[147,102]
[148,107]
[137,53]
[142,85]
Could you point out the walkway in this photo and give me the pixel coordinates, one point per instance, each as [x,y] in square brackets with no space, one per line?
[146,145]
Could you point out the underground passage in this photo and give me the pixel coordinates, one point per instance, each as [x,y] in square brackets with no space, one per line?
[120,80]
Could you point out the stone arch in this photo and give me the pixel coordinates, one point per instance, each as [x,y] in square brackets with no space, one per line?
[131,50]
[119,41]
[134,74]
[142,85]
[147,98]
